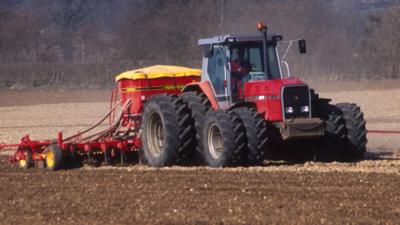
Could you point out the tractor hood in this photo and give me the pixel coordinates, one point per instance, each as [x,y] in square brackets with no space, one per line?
[269,87]
[267,95]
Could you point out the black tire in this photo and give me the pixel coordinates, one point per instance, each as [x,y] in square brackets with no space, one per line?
[198,106]
[54,158]
[332,145]
[142,157]
[224,139]
[27,163]
[356,138]
[168,131]
[256,133]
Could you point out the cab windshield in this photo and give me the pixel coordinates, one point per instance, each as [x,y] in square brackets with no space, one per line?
[247,62]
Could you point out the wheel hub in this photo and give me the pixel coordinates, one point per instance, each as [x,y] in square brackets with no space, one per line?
[49,159]
[155,134]
[215,142]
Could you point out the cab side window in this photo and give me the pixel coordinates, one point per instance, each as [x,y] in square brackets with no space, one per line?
[216,70]
[255,56]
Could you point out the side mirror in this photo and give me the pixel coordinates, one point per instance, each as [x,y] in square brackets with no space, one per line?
[302,46]
[208,51]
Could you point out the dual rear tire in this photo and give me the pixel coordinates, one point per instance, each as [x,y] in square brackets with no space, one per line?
[167,131]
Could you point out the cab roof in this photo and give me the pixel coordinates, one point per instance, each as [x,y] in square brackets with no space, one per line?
[229,38]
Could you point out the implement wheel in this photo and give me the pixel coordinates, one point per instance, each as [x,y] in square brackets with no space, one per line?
[25,163]
[168,131]
[224,139]
[54,158]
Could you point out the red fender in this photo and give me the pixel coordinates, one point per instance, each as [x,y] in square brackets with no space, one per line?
[203,87]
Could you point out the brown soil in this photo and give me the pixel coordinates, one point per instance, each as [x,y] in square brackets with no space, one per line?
[141,195]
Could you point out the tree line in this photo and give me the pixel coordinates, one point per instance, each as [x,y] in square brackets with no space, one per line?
[81,43]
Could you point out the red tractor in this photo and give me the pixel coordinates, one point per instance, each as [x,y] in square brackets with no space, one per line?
[243,107]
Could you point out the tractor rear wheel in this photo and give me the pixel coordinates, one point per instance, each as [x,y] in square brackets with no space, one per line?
[168,131]
[198,106]
[332,145]
[356,138]
[54,158]
[223,139]
[256,133]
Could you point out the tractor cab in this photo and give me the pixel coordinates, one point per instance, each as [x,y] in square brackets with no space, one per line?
[231,62]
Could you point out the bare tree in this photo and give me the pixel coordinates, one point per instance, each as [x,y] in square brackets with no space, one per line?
[68,16]
[81,41]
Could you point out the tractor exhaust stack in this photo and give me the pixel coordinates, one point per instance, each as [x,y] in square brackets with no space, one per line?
[264,30]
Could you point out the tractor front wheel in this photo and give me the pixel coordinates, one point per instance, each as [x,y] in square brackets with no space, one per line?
[224,139]
[332,145]
[356,138]
[256,133]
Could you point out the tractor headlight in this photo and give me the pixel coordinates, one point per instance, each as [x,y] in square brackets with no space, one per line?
[289,110]
[261,97]
[305,109]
